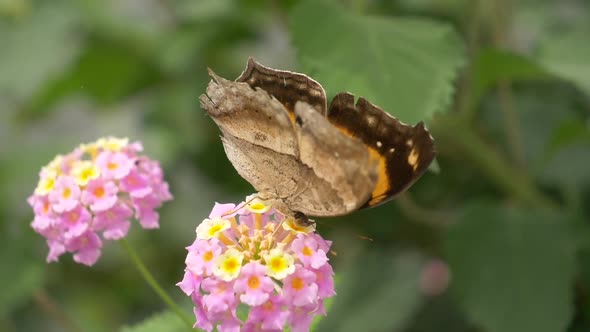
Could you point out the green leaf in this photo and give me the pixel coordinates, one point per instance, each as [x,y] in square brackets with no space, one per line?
[406,66]
[558,36]
[512,269]
[567,166]
[166,321]
[568,56]
[377,289]
[568,132]
[492,66]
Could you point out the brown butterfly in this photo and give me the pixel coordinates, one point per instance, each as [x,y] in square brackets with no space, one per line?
[309,159]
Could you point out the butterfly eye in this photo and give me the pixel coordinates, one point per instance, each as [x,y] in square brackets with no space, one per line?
[298,121]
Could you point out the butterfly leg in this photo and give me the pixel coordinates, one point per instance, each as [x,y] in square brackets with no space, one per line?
[301,219]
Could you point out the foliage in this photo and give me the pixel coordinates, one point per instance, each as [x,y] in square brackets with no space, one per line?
[165,321]
[506,98]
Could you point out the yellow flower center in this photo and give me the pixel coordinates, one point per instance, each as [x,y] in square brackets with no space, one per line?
[208,256]
[48,185]
[277,264]
[297,284]
[46,206]
[230,265]
[85,171]
[307,251]
[99,192]
[86,174]
[257,206]
[215,229]
[66,193]
[112,166]
[253,282]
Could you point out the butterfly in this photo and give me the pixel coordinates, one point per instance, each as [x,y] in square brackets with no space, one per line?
[307,158]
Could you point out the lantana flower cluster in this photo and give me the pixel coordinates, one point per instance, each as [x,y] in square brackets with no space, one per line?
[254,258]
[96,189]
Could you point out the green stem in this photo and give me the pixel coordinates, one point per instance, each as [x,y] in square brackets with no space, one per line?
[502,22]
[465,87]
[149,278]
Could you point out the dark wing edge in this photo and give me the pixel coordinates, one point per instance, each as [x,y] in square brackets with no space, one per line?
[403,152]
[286,86]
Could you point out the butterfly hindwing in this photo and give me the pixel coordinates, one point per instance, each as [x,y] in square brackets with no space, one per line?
[402,152]
[341,160]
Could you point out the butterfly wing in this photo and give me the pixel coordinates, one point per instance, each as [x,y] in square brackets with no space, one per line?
[260,142]
[402,152]
[342,161]
[250,114]
[287,87]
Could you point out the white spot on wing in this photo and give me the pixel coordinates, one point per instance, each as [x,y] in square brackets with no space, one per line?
[379,144]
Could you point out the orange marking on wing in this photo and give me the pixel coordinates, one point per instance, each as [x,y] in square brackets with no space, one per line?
[291,117]
[382,185]
[413,159]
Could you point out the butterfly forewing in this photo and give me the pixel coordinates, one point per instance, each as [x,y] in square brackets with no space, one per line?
[287,87]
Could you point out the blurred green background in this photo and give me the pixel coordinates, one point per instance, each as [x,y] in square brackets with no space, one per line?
[503,86]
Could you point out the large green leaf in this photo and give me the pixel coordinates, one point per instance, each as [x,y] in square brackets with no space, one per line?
[166,321]
[404,65]
[568,56]
[557,32]
[512,269]
[377,289]
[492,66]
[567,155]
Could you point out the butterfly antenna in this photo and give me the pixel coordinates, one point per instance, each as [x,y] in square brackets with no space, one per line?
[357,235]
[278,227]
[239,206]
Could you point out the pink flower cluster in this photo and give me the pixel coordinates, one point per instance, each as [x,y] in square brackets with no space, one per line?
[254,257]
[98,187]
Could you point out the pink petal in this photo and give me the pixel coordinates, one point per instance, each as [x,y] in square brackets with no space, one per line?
[220,209]
[117,230]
